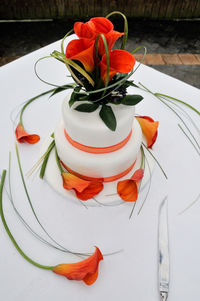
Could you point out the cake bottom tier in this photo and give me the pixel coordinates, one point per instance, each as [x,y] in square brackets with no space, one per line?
[98,165]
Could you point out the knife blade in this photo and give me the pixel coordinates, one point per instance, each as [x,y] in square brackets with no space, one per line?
[163,248]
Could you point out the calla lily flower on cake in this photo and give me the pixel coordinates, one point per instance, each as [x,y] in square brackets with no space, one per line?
[149,129]
[84,189]
[99,69]
[128,189]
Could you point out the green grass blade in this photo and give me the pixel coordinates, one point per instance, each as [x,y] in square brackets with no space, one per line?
[9,232]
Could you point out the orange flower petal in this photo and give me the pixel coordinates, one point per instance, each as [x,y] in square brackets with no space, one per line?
[86,270]
[120,61]
[70,181]
[85,30]
[92,28]
[149,128]
[23,136]
[82,50]
[101,25]
[128,190]
[93,189]
[111,38]
[91,278]
[138,175]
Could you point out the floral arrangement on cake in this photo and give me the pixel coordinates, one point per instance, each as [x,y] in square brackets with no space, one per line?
[101,77]
[101,72]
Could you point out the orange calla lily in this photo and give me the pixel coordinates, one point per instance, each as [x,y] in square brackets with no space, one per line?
[120,61]
[85,270]
[23,136]
[84,189]
[111,38]
[70,181]
[95,26]
[82,50]
[149,128]
[128,189]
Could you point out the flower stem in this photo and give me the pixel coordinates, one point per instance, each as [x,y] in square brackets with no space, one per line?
[46,158]
[142,158]
[10,234]
[58,161]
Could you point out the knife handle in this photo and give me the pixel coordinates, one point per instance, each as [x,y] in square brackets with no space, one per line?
[163,296]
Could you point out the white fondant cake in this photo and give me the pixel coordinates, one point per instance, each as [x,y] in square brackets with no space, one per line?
[88,129]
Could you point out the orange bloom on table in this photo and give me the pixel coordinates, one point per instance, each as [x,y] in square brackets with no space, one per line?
[82,50]
[128,189]
[23,136]
[149,128]
[85,270]
[84,189]
[95,26]
[120,61]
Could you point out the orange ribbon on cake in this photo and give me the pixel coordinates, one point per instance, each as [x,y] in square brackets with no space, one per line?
[106,179]
[97,150]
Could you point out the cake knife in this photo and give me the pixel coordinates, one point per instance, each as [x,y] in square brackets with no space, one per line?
[163,251]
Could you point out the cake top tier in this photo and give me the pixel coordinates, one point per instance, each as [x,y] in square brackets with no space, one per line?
[88,129]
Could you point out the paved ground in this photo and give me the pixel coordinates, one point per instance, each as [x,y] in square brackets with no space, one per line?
[173,46]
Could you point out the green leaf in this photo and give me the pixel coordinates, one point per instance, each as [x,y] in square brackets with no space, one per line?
[130,83]
[108,117]
[87,107]
[74,96]
[60,89]
[131,100]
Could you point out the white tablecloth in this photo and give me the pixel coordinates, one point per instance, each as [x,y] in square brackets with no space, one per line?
[131,274]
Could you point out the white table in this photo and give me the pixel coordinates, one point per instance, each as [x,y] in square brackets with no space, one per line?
[132,274]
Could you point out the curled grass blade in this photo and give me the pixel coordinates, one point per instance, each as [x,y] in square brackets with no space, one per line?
[27,258]
[30,101]
[178,100]
[33,232]
[63,40]
[142,165]
[36,73]
[149,187]
[186,114]
[190,205]
[61,57]
[107,56]
[155,160]
[124,40]
[174,111]
[30,203]
[189,139]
